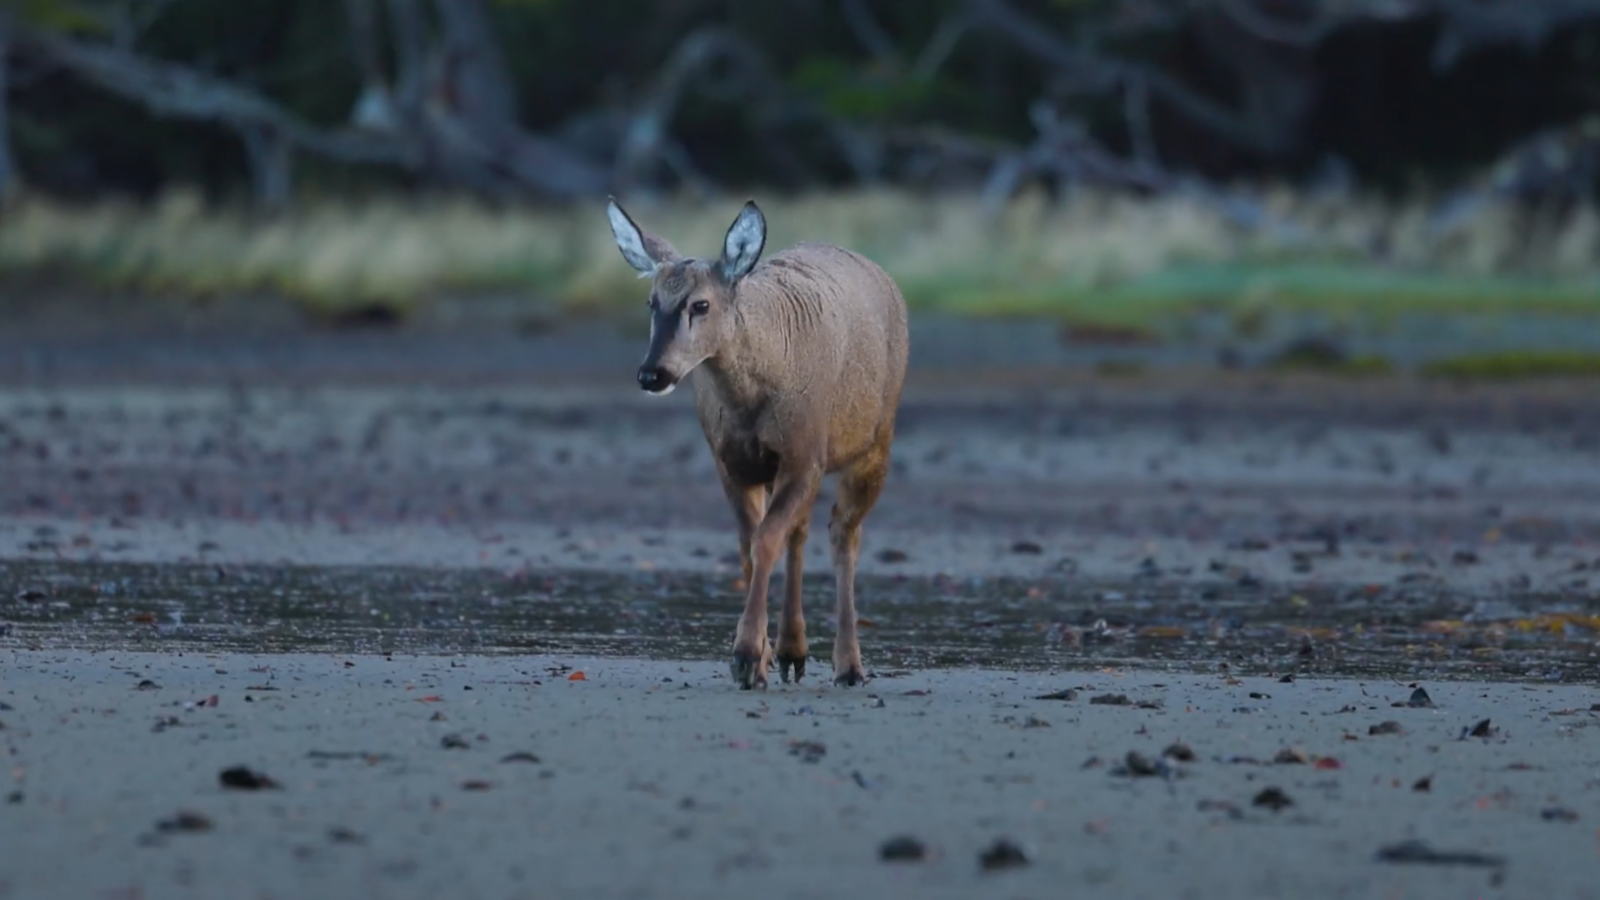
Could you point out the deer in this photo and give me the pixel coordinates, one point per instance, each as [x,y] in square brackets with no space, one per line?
[797,364]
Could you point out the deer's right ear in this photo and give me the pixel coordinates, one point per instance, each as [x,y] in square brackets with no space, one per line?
[630,240]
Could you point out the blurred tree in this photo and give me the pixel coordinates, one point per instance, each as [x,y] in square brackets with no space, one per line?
[565,99]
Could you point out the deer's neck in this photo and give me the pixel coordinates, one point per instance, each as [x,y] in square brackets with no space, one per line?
[748,371]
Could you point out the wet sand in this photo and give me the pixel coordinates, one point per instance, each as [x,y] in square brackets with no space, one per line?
[400,777]
[456,509]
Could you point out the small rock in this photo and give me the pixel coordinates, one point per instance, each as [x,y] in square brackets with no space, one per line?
[1558,814]
[1111,700]
[185,821]
[1389,727]
[892,556]
[1139,766]
[808,751]
[1423,784]
[1421,852]
[1027,547]
[244,779]
[1179,751]
[454,742]
[147,685]
[1482,730]
[476,785]
[1291,756]
[1420,700]
[341,835]
[1002,854]
[1063,694]
[519,756]
[1272,798]
[903,848]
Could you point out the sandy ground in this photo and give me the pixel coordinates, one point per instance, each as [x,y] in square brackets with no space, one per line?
[652,779]
[467,450]
[1308,483]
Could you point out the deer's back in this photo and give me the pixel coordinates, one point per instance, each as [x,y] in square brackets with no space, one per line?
[829,327]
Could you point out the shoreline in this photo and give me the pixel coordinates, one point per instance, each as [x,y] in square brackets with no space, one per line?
[412,776]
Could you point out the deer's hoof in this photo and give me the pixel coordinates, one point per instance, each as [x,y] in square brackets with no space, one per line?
[748,672]
[850,676]
[798,663]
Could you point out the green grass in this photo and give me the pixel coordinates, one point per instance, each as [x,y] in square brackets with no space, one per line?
[1104,260]
[1512,365]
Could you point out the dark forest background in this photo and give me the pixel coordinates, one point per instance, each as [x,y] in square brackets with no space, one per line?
[574,98]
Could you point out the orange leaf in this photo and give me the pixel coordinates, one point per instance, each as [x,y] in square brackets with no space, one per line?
[431,698]
[577,676]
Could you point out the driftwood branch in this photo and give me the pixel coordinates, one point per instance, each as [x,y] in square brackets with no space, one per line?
[179,92]
[1066,153]
[1105,73]
[869,32]
[647,138]
[1259,24]
[135,19]
[456,132]
[940,46]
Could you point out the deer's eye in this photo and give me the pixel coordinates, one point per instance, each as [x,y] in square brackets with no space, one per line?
[699,308]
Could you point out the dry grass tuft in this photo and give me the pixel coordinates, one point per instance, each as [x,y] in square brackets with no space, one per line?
[1102,255]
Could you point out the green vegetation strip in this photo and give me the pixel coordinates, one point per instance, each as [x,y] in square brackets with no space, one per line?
[1133,265]
[1515,365]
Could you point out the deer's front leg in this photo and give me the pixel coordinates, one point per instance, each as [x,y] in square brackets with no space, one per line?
[792,621]
[793,492]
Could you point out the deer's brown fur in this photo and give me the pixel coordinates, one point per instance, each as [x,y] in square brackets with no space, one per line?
[797,367]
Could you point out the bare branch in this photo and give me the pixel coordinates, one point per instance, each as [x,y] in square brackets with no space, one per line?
[406,20]
[374,109]
[482,88]
[646,137]
[178,92]
[362,16]
[1264,27]
[939,47]
[1065,152]
[1471,26]
[8,171]
[1136,108]
[1106,72]
[491,155]
[135,19]
[869,32]
[271,165]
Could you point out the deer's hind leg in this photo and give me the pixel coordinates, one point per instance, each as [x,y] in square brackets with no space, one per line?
[859,488]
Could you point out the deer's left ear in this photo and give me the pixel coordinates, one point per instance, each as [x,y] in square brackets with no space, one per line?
[741,249]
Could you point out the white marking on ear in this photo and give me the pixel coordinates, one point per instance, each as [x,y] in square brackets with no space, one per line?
[741,249]
[629,240]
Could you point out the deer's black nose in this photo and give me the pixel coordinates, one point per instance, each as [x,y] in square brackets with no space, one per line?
[651,378]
